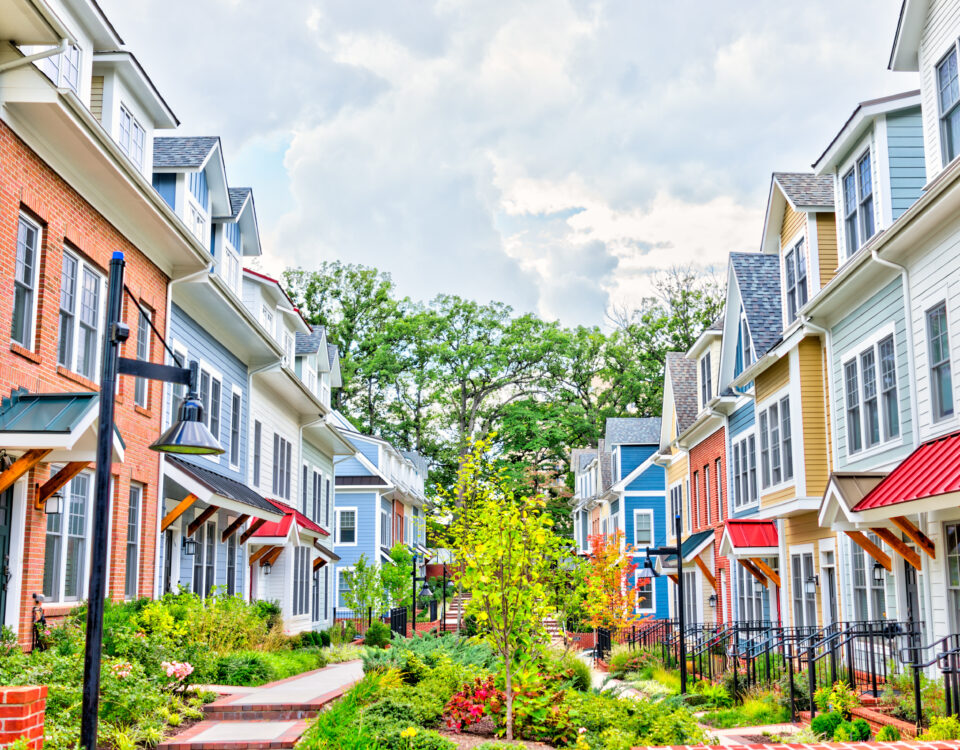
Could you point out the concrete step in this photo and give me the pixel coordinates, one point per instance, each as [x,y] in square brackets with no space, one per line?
[237,735]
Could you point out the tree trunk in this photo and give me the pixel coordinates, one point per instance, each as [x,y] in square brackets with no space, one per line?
[509,692]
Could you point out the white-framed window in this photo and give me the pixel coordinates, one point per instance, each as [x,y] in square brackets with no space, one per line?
[236,415]
[317,495]
[289,348]
[27,265]
[795,267]
[232,565]
[718,475]
[131,137]
[706,380]
[81,312]
[63,69]
[744,472]
[804,604]
[776,444]
[231,269]
[267,320]
[304,489]
[869,597]
[343,586]
[642,528]
[141,390]
[952,536]
[691,596]
[282,461]
[948,97]
[177,391]
[695,512]
[870,388]
[301,581]
[706,493]
[257,451]
[687,506]
[211,396]
[385,540]
[750,596]
[132,558]
[676,503]
[938,350]
[205,559]
[347,526]
[858,210]
[644,584]
[328,503]
[67,543]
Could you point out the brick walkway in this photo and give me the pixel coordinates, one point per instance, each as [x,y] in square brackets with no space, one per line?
[908,745]
[271,716]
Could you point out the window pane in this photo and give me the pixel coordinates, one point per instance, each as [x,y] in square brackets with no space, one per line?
[68,302]
[870,407]
[786,438]
[89,317]
[888,386]
[851,381]
[24,280]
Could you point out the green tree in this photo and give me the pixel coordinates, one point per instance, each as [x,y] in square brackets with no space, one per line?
[364,589]
[397,576]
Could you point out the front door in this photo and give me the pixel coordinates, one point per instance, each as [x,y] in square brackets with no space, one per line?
[830,586]
[6,573]
[912,598]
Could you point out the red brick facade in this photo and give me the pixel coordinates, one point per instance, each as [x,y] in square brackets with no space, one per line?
[22,711]
[29,186]
[705,454]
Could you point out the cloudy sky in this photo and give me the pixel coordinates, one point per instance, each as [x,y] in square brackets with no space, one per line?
[553,154]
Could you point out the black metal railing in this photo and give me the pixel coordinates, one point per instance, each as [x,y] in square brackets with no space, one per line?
[398,621]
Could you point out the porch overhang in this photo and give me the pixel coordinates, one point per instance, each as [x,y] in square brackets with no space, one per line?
[214,489]
[749,538]
[690,548]
[794,507]
[844,491]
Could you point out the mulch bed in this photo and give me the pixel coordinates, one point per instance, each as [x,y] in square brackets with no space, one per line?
[483,731]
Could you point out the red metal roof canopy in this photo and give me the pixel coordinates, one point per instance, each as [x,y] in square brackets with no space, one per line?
[932,469]
[752,533]
[281,527]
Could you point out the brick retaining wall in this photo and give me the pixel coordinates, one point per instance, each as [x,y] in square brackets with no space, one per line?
[907,745]
[22,710]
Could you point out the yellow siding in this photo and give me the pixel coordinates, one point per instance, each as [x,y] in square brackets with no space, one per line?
[827,246]
[793,222]
[676,471]
[803,529]
[773,379]
[814,417]
[96,97]
[772,498]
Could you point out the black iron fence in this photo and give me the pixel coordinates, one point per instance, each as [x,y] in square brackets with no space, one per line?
[398,621]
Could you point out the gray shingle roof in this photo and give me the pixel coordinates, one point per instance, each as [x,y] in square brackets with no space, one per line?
[225,486]
[581,457]
[418,460]
[717,324]
[606,470]
[238,197]
[332,353]
[806,189]
[758,278]
[633,431]
[175,151]
[683,380]
[309,343]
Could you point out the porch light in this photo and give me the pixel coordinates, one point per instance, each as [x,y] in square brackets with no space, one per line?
[811,584]
[266,567]
[712,601]
[877,573]
[189,547]
[54,504]
[189,435]
[758,587]
[6,460]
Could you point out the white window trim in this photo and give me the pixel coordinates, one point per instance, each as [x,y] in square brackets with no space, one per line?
[139,541]
[643,512]
[671,512]
[864,147]
[853,355]
[791,246]
[235,390]
[88,543]
[942,141]
[82,266]
[214,374]
[127,148]
[356,535]
[31,345]
[171,390]
[336,585]
[743,438]
[652,604]
[775,400]
[942,296]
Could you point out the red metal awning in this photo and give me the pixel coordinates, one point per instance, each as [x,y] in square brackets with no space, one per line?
[282,527]
[751,533]
[932,469]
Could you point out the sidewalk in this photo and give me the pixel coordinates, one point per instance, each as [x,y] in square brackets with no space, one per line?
[270,716]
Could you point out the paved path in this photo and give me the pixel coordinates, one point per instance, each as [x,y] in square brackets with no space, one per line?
[269,716]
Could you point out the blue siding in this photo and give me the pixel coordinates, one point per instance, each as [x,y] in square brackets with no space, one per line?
[653,479]
[198,186]
[908,172]
[351,467]
[369,451]
[367,506]
[661,585]
[202,345]
[742,419]
[166,185]
[631,456]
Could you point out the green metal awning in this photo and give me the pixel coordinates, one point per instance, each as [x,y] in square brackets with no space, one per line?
[64,423]
[692,546]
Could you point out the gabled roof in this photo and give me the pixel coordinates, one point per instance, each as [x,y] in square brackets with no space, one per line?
[606,470]
[906,40]
[683,382]
[418,460]
[310,343]
[717,324]
[178,152]
[282,527]
[580,458]
[334,356]
[224,486]
[633,431]
[806,190]
[758,280]
[238,196]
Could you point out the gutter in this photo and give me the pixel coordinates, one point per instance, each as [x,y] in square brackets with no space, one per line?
[26,60]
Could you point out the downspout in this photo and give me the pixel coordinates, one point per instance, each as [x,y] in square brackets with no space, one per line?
[27,59]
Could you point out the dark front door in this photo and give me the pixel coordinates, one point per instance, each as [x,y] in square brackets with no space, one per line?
[912,598]
[6,573]
[830,584]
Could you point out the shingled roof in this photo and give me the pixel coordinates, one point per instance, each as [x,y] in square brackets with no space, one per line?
[178,152]
[805,189]
[633,431]
[758,279]
[309,343]
[238,197]
[418,460]
[683,381]
[581,457]
[606,470]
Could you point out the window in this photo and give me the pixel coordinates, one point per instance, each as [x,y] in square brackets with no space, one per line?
[346,526]
[177,392]
[327,493]
[304,486]
[691,593]
[282,459]
[750,596]
[301,581]
[745,338]
[871,408]
[210,397]
[719,477]
[938,345]
[872,403]
[288,348]
[257,434]
[343,587]
[888,388]
[131,136]
[133,541]
[643,528]
[68,307]
[266,318]
[140,391]
[804,604]
[646,602]
[317,487]
[695,512]
[205,560]
[82,328]
[688,511]
[706,376]
[706,493]
[858,214]
[676,498]
[851,380]
[796,275]
[776,452]
[231,269]
[869,598]
[745,472]
[232,565]
[235,414]
[385,540]
[25,283]
[65,555]
[859,580]
[63,69]
[949,98]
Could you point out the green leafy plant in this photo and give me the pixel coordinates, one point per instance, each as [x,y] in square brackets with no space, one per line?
[888,733]
[377,635]
[942,728]
[824,725]
[863,728]
[843,700]
[846,732]
[821,698]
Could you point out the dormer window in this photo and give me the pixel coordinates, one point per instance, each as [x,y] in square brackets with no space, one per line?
[132,137]
[288,347]
[858,217]
[266,318]
[744,356]
[706,384]
[64,69]
[796,272]
[949,98]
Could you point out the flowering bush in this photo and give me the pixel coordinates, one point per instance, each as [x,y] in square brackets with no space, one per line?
[121,669]
[472,702]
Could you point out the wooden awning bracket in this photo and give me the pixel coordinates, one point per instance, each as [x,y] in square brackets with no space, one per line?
[57,482]
[251,530]
[706,572]
[752,570]
[233,528]
[201,519]
[319,563]
[861,540]
[271,558]
[174,514]
[21,466]
[764,568]
[260,553]
[673,577]
[915,535]
[899,546]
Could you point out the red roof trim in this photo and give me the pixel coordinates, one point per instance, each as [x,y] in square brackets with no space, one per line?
[932,469]
[752,533]
[302,520]
[282,291]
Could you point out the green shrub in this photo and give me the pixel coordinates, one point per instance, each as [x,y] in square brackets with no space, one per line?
[843,699]
[735,683]
[377,635]
[324,638]
[863,728]
[942,728]
[714,695]
[888,733]
[824,725]
[391,737]
[242,669]
[846,732]
[765,709]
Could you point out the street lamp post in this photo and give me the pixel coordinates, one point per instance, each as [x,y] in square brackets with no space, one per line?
[681,619]
[187,435]
[424,592]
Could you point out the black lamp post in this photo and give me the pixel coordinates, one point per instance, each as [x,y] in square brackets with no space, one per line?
[425,593]
[188,435]
[681,618]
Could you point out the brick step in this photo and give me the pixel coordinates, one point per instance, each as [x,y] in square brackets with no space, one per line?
[254,712]
[237,735]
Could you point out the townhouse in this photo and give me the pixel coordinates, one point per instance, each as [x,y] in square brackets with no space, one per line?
[78,116]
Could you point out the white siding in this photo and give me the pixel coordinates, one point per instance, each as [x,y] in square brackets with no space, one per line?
[941,30]
[266,407]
